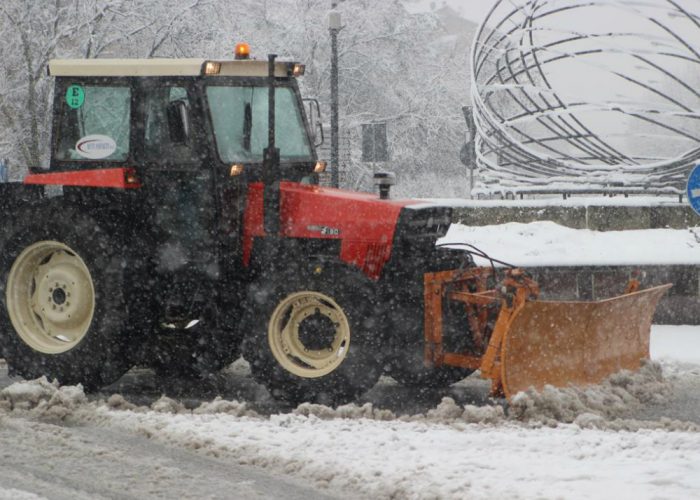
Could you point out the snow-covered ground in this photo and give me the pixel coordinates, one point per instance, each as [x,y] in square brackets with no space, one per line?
[545,243]
[593,443]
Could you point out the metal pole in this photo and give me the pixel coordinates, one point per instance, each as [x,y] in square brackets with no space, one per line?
[271,161]
[471,146]
[335,181]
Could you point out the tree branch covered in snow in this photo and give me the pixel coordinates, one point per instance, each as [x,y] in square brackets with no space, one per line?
[395,67]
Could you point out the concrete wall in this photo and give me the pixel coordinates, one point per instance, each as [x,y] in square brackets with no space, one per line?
[681,305]
[595,217]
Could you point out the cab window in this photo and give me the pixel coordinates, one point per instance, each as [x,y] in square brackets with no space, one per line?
[94,123]
[167,134]
[240,114]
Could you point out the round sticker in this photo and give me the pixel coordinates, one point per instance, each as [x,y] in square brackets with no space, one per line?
[75,96]
[95,147]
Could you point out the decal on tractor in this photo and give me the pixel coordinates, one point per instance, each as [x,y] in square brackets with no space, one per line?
[324,230]
[75,96]
[96,147]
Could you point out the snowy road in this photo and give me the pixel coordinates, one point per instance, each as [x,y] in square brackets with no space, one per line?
[632,437]
[86,461]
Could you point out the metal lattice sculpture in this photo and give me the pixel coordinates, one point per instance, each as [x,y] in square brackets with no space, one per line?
[587,95]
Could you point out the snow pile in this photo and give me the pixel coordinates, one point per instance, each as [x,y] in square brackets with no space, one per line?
[168,405]
[601,406]
[618,396]
[604,406]
[367,457]
[558,443]
[42,399]
[219,405]
[448,411]
[545,243]
[366,411]
[117,402]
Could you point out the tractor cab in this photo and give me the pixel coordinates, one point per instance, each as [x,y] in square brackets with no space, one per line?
[178,114]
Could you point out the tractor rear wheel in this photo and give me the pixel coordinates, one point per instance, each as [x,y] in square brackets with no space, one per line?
[64,315]
[312,337]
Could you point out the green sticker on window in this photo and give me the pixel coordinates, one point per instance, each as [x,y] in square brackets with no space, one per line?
[75,96]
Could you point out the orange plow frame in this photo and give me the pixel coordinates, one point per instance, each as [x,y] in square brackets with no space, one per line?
[520,342]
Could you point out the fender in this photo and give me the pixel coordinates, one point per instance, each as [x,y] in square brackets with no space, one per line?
[119,178]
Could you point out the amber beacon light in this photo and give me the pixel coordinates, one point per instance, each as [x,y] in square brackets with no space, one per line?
[242,51]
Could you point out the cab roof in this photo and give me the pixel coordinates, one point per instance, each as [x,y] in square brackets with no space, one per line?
[165,67]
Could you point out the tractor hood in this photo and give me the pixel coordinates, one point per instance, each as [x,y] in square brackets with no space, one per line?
[365,225]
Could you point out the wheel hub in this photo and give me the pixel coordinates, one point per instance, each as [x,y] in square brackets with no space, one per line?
[58,296]
[317,331]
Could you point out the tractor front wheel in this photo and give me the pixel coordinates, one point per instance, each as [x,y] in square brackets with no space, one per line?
[312,337]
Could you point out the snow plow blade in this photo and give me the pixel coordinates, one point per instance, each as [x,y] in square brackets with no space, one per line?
[520,342]
[576,343]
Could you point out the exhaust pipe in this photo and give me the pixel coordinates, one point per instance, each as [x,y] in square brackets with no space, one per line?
[384,180]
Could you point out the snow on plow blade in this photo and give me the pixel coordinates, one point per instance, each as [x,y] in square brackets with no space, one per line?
[520,342]
[576,343]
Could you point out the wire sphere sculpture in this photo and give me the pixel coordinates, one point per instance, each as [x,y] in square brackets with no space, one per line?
[587,95]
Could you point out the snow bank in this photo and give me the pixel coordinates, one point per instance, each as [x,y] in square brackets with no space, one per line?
[374,458]
[675,343]
[617,397]
[558,443]
[609,405]
[545,243]
[43,399]
[596,442]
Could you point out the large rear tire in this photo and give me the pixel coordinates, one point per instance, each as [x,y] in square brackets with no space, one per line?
[65,314]
[312,336]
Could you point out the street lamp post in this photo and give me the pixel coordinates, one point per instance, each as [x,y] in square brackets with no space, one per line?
[334,27]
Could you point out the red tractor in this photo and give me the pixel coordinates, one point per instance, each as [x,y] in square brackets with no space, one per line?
[181,224]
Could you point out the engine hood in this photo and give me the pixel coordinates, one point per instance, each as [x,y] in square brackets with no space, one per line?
[365,225]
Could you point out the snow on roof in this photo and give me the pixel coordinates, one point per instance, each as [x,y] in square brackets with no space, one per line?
[161,67]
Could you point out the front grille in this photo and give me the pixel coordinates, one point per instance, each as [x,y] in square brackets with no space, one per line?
[429,222]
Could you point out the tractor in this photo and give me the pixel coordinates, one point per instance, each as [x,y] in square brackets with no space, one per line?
[181,224]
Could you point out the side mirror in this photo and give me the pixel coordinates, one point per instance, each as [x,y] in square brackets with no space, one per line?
[315,121]
[179,122]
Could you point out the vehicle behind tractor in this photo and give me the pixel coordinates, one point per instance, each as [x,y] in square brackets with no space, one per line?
[181,224]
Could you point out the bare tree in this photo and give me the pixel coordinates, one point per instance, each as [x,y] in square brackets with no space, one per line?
[35,32]
[395,67]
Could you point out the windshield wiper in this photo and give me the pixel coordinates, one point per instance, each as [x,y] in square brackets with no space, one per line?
[247,126]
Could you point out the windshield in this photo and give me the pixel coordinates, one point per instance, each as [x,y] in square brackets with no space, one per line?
[239,116]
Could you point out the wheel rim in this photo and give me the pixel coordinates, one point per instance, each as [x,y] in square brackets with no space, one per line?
[50,297]
[309,334]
